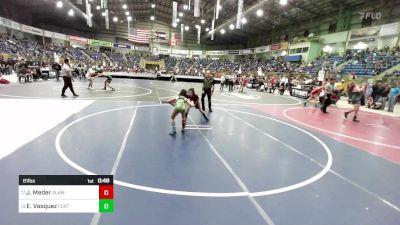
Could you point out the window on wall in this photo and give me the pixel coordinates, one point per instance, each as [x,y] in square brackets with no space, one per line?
[292,51]
[298,50]
[305,49]
[306,33]
[366,22]
[332,28]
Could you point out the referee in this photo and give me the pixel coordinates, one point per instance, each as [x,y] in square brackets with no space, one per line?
[208,89]
[67,77]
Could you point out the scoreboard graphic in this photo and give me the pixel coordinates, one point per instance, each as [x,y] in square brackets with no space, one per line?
[66,194]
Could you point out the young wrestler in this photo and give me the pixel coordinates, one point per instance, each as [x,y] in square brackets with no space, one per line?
[180,105]
[90,77]
[107,81]
[195,99]
[314,94]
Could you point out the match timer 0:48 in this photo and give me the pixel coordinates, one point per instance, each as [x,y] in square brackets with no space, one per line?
[66,194]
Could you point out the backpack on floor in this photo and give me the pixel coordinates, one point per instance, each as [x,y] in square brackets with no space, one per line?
[378,103]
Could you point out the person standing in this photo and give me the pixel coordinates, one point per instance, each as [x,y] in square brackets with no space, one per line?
[173,77]
[221,88]
[393,96]
[57,68]
[328,93]
[67,78]
[358,92]
[230,82]
[208,89]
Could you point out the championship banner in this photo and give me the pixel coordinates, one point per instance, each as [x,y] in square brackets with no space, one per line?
[9,23]
[248,51]
[284,46]
[164,51]
[198,35]
[239,14]
[88,13]
[48,34]
[212,29]
[182,27]
[197,8]
[78,39]
[32,30]
[174,11]
[275,47]
[142,48]
[180,52]
[389,29]
[233,52]
[172,41]
[100,43]
[160,35]
[217,10]
[215,53]
[365,32]
[263,49]
[60,36]
[196,52]
[116,45]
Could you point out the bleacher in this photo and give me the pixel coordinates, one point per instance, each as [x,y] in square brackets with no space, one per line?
[371,64]
[94,54]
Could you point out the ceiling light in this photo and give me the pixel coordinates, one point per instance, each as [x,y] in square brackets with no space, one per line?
[186,28]
[207,29]
[178,20]
[202,21]
[185,7]
[59,4]
[180,14]
[153,6]
[129,18]
[284,53]
[103,14]
[283,2]
[115,19]
[197,26]
[71,12]
[174,25]
[152,17]
[124,6]
[219,7]
[259,12]
[231,26]
[127,13]
[243,20]
[222,31]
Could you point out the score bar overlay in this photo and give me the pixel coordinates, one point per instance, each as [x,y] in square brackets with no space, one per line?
[66,193]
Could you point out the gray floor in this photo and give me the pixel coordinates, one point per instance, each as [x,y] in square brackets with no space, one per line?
[248,150]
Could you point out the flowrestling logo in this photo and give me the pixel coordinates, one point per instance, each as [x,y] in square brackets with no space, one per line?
[370,15]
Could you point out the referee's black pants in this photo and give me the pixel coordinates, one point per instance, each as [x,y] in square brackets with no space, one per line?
[208,92]
[67,84]
[327,102]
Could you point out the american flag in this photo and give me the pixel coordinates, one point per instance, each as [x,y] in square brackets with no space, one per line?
[139,35]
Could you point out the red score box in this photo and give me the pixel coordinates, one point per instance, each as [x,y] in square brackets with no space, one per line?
[106,191]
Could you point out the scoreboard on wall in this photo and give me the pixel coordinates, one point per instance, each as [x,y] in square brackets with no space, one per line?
[66,194]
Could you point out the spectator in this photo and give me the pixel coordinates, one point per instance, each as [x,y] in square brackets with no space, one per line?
[393,96]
